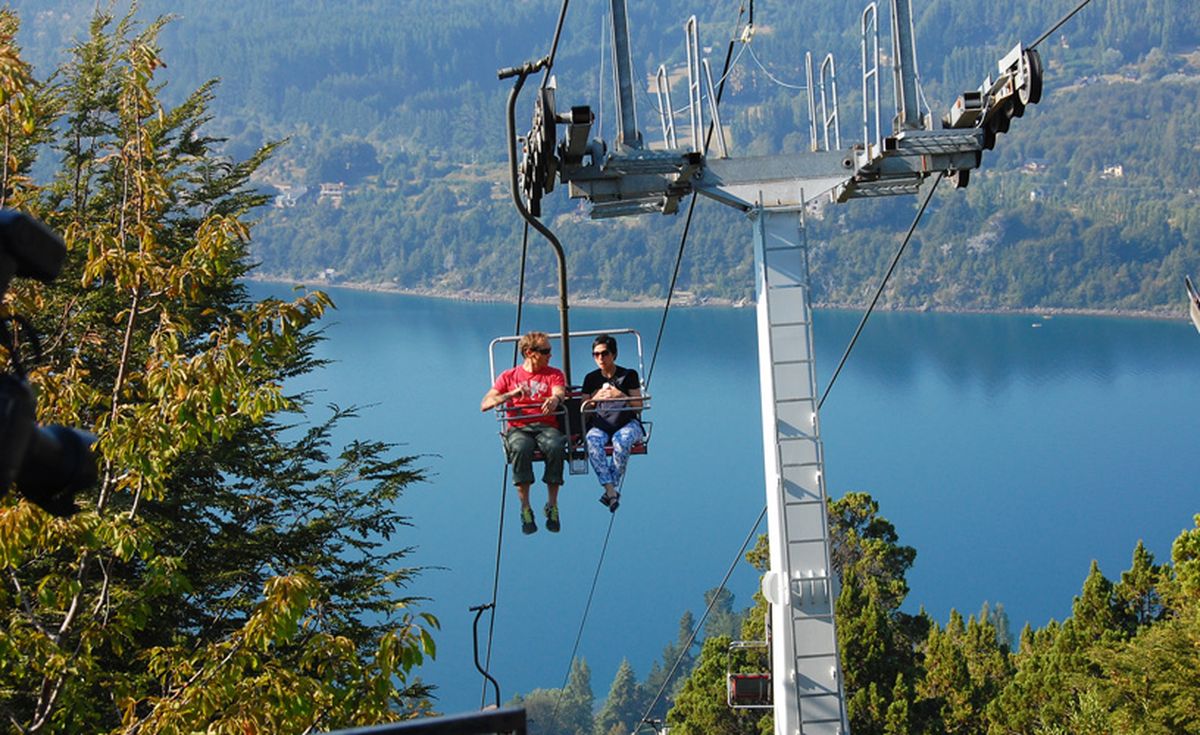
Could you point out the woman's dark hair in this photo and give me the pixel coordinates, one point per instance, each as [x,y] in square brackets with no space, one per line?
[608,341]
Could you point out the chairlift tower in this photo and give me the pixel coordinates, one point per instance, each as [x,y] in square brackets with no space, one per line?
[627,178]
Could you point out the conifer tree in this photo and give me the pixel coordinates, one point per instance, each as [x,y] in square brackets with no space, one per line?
[624,706]
[566,711]
[667,674]
[220,577]
[877,642]
[964,668]
[1056,671]
[1138,591]
[1151,684]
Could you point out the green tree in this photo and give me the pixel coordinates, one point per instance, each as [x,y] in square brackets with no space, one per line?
[220,577]
[1138,591]
[566,711]
[1056,677]
[668,674]
[876,641]
[347,161]
[1152,683]
[722,618]
[624,707]
[964,668]
[701,705]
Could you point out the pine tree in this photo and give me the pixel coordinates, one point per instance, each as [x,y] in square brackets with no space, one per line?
[1140,600]
[566,711]
[964,669]
[624,707]
[1057,672]
[668,673]
[1151,683]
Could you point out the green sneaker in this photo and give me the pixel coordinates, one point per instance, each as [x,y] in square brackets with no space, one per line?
[551,518]
[527,524]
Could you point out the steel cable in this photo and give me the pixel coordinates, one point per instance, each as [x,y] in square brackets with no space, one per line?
[487,661]
[1058,25]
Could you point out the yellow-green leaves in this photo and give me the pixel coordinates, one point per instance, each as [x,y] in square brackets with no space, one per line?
[226,575]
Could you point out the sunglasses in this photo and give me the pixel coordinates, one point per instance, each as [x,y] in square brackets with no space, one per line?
[600,353]
[540,350]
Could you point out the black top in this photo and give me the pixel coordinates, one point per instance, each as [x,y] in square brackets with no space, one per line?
[612,415]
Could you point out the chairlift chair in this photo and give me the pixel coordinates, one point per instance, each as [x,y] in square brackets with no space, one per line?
[571,417]
[749,690]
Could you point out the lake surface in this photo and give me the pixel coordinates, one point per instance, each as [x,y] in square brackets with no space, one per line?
[1010,456]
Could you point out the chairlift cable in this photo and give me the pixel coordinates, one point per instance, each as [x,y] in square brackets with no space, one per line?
[562,15]
[700,623]
[687,226]
[1058,25]
[504,480]
[879,291]
[583,621]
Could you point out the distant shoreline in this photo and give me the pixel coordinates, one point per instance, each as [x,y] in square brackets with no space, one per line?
[692,301]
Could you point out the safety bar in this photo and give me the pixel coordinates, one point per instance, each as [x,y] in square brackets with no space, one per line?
[643,399]
[506,413]
[870,80]
[713,112]
[695,110]
[828,117]
[665,110]
[513,339]
[813,144]
[647,426]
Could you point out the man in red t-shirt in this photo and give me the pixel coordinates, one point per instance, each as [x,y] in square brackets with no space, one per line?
[532,394]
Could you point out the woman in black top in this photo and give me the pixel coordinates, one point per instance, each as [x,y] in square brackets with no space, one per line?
[613,397]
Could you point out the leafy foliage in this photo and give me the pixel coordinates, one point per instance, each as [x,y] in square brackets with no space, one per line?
[222,576]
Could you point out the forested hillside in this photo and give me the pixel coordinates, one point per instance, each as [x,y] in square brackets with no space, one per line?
[1089,202]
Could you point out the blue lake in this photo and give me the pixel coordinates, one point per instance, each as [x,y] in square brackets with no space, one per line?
[1010,456]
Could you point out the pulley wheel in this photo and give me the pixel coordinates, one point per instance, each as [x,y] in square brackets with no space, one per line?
[1030,93]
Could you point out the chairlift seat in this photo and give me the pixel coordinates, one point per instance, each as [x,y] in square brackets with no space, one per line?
[570,414]
[749,690]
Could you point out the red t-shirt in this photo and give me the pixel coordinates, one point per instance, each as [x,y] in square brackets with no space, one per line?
[540,386]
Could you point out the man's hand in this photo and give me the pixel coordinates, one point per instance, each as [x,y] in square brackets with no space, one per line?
[550,404]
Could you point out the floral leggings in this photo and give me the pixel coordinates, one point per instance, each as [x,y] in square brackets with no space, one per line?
[610,470]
